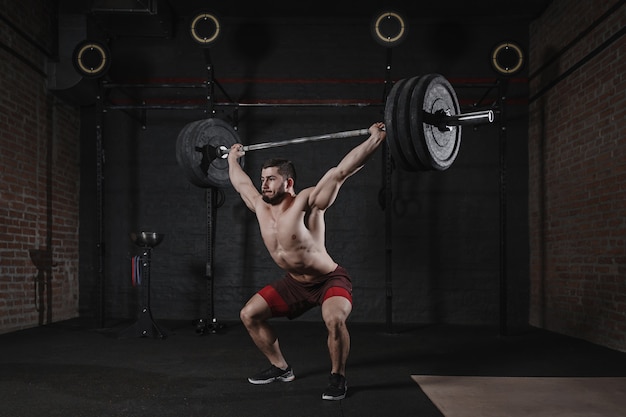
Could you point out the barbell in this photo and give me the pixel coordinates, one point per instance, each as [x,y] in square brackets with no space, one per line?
[422,119]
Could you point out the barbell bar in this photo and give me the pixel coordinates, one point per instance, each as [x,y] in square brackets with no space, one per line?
[444,122]
[222,151]
[422,118]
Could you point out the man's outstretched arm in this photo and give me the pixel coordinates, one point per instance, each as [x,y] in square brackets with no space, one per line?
[239,179]
[325,192]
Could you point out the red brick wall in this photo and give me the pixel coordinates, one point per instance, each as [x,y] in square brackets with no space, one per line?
[577,156]
[39,177]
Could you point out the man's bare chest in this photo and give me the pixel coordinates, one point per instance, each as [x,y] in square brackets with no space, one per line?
[282,230]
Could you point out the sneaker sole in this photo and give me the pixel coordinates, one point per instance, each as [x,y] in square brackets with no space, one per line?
[328,397]
[331,398]
[269,381]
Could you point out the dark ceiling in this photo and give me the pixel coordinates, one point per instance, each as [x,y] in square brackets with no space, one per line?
[326,8]
[158,17]
[115,21]
[330,8]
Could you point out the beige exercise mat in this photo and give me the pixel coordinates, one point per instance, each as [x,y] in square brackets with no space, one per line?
[477,396]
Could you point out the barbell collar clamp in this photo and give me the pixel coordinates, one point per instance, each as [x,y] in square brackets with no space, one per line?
[445,121]
[222,152]
[472,118]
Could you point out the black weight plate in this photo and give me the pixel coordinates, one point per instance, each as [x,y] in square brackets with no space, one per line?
[435,148]
[194,136]
[183,157]
[403,125]
[391,105]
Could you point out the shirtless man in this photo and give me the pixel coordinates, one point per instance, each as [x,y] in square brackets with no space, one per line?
[293,230]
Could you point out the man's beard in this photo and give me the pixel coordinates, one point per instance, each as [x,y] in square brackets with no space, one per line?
[276,199]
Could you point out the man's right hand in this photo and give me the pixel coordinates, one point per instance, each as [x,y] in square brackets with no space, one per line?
[236,152]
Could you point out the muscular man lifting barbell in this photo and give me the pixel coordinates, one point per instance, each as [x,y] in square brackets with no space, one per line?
[292,226]
[423,130]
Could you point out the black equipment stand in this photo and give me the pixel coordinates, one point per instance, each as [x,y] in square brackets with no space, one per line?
[210,324]
[145,326]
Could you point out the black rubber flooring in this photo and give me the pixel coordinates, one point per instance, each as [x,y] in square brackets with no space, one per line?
[75,369]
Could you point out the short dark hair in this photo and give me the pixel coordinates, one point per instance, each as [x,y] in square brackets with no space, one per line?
[285,167]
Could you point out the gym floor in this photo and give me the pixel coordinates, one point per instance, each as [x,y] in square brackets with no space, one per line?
[74,369]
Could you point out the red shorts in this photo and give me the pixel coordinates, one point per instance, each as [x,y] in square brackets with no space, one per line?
[288,297]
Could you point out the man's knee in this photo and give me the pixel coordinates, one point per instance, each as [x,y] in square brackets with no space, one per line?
[335,312]
[255,310]
[335,322]
[245,315]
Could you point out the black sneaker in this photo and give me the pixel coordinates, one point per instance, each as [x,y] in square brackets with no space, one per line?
[272,374]
[336,389]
